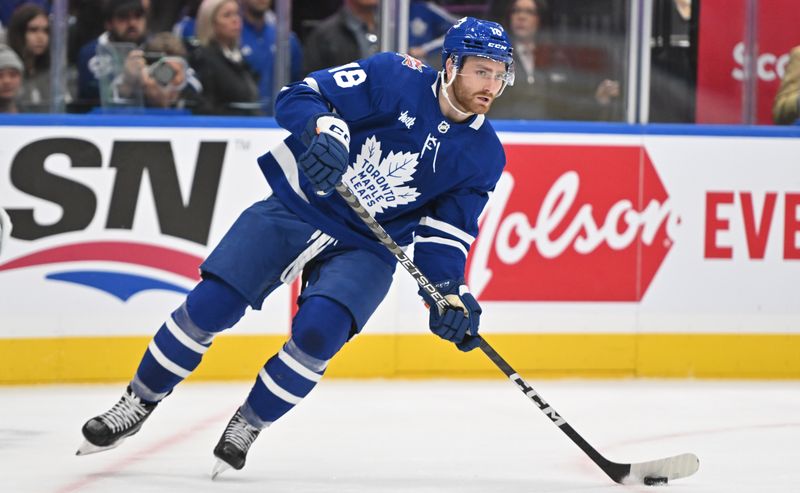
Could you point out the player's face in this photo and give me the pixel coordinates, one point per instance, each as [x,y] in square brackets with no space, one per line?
[477,84]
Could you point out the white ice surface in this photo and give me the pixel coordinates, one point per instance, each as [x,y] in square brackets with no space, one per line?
[414,436]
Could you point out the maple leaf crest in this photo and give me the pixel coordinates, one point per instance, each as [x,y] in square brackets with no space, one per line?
[380,183]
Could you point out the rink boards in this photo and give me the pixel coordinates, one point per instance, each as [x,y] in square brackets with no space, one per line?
[606,250]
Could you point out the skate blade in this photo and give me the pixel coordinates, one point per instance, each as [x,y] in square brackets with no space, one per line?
[220,467]
[87,448]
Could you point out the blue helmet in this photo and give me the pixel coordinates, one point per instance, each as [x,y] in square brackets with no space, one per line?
[475,37]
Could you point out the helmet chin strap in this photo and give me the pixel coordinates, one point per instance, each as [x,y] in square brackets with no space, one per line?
[445,86]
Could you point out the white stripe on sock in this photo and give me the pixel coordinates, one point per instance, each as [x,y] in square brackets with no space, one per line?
[184,339]
[166,362]
[276,389]
[298,367]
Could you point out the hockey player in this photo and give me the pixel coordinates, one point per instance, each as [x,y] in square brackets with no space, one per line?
[415,147]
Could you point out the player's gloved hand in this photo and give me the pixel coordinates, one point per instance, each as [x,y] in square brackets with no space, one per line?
[328,140]
[458,323]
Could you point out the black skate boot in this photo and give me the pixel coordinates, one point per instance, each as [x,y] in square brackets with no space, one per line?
[231,450]
[110,429]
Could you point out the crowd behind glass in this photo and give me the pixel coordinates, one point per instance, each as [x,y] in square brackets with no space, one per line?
[217,57]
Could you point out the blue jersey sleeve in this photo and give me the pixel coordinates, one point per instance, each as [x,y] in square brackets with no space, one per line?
[443,238]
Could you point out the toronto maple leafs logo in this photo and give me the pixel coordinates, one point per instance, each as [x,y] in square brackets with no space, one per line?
[380,183]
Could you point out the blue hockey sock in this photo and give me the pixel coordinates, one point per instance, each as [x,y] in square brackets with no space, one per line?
[319,330]
[178,346]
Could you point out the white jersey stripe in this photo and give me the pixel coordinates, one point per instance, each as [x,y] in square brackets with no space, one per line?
[184,339]
[318,242]
[441,241]
[166,362]
[477,122]
[283,155]
[447,228]
[298,367]
[312,83]
[276,389]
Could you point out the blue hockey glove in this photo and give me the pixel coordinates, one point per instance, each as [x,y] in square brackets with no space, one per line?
[459,323]
[328,140]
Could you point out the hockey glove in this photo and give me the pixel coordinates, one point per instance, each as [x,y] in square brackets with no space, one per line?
[328,140]
[458,323]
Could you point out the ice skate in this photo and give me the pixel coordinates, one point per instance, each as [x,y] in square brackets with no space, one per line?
[109,430]
[231,450]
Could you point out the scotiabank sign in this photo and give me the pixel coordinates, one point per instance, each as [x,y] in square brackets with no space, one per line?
[572,223]
[722,62]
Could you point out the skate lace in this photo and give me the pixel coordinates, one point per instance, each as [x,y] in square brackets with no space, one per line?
[240,432]
[125,413]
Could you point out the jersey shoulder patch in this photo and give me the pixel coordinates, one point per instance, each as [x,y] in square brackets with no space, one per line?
[411,62]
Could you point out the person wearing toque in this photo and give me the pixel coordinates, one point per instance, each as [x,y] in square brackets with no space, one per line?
[10,79]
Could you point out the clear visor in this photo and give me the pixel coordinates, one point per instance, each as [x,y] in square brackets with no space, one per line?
[506,76]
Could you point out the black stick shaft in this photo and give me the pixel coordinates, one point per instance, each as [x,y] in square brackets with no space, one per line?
[615,471]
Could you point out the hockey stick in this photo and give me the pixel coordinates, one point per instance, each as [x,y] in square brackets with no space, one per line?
[650,472]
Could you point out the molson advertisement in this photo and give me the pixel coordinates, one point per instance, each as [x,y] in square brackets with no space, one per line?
[624,253]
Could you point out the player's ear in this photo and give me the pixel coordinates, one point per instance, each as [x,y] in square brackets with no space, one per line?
[449,68]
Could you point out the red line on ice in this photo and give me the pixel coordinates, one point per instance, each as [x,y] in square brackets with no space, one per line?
[143,454]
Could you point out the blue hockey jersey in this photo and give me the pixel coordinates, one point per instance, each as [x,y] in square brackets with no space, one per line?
[424,178]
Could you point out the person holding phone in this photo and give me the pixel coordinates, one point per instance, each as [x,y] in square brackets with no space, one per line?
[158,76]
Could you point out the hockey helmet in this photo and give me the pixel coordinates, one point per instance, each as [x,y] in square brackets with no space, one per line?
[475,37]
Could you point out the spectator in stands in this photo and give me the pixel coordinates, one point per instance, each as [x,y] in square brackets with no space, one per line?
[547,86]
[185,28]
[10,79]
[8,7]
[163,14]
[228,86]
[84,26]
[102,59]
[786,108]
[158,76]
[346,36]
[673,65]
[258,48]
[29,37]
[427,25]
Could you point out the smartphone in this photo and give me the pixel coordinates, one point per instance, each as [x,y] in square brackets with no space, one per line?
[162,72]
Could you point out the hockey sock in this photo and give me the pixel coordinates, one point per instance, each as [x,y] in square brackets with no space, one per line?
[319,330]
[178,346]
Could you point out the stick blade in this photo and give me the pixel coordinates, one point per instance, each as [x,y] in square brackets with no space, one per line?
[675,467]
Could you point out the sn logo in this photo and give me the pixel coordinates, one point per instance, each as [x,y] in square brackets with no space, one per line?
[130,165]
